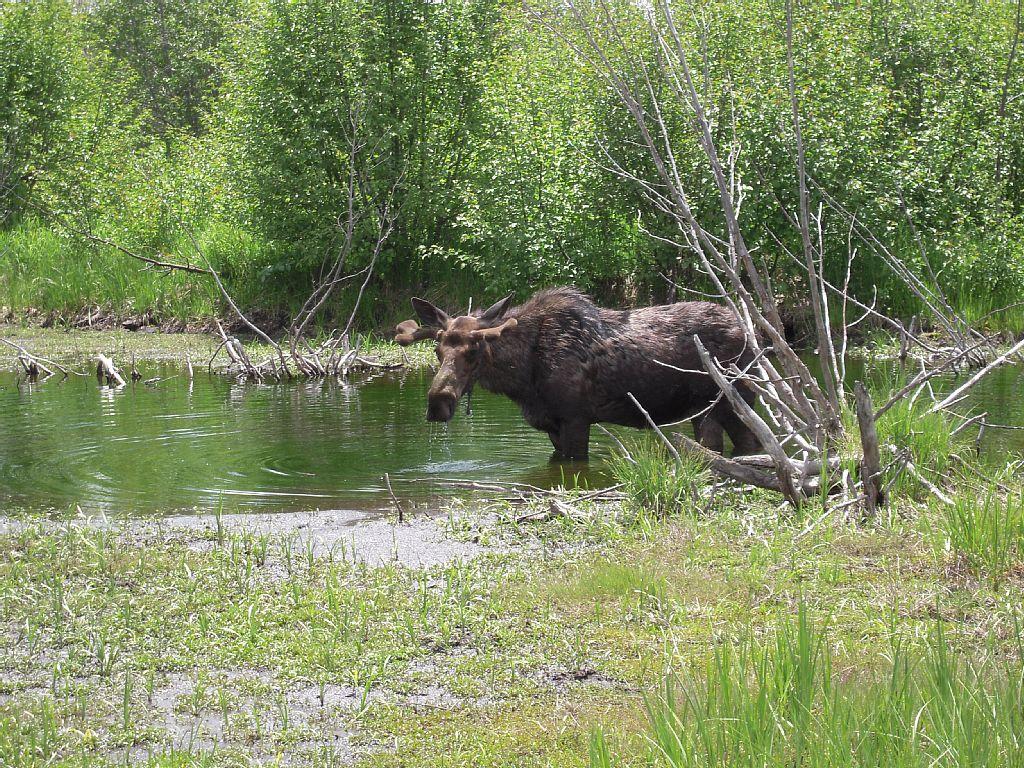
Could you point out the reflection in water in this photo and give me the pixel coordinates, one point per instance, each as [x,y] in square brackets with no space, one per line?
[181,445]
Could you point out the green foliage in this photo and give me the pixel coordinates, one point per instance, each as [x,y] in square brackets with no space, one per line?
[37,96]
[169,54]
[780,702]
[538,209]
[143,122]
[985,266]
[399,79]
[653,481]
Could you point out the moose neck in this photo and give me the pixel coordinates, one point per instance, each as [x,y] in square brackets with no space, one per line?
[506,368]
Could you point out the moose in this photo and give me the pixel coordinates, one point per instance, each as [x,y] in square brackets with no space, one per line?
[569,364]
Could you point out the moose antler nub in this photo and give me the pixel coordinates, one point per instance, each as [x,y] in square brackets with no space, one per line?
[409,332]
[488,334]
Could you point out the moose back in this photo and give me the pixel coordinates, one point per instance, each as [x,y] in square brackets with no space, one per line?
[569,364]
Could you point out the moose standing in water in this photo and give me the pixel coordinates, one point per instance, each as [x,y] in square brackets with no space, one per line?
[569,363]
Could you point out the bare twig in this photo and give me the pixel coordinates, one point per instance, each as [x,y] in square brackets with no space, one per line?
[394,499]
[960,391]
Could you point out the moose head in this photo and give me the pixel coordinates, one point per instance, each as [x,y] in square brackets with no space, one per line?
[463,345]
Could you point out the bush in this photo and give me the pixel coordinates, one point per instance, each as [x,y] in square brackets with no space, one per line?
[39,73]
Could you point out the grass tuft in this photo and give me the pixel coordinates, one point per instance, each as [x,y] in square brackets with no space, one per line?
[987,532]
[653,481]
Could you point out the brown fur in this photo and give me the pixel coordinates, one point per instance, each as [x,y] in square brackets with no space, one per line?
[569,364]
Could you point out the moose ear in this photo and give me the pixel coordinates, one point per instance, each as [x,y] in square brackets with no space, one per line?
[497,310]
[430,315]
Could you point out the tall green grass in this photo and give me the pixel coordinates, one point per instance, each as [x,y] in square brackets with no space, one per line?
[927,437]
[988,531]
[46,271]
[654,481]
[781,703]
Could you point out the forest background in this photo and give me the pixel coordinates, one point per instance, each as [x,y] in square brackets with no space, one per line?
[229,131]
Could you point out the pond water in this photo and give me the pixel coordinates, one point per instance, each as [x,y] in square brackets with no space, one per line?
[213,442]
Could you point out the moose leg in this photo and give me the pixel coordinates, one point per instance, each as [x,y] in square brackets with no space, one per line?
[575,439]
[744,442]
[709,433]
[555,436]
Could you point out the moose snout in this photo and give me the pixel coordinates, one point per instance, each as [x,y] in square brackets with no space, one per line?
[441,406]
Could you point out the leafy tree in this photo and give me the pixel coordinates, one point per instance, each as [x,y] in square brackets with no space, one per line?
[37,96]
[169,54]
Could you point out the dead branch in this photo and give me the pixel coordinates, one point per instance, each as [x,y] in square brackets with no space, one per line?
[170,266]
[394,499]
[554,509]
[754,422]
[48,366]
[661,435]
[958,393]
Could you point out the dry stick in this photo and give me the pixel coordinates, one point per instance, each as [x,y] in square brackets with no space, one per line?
[29,367]
[804,467]
[924,377]
[625,453]
[168,265]
[852,254]
[555,509]
[42,362]
[734,470]
[394,499]
[755,423]
[105,369]
[928,484]
[871,469]
[457,482]
[957,393]
[968,422]
[650,422]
